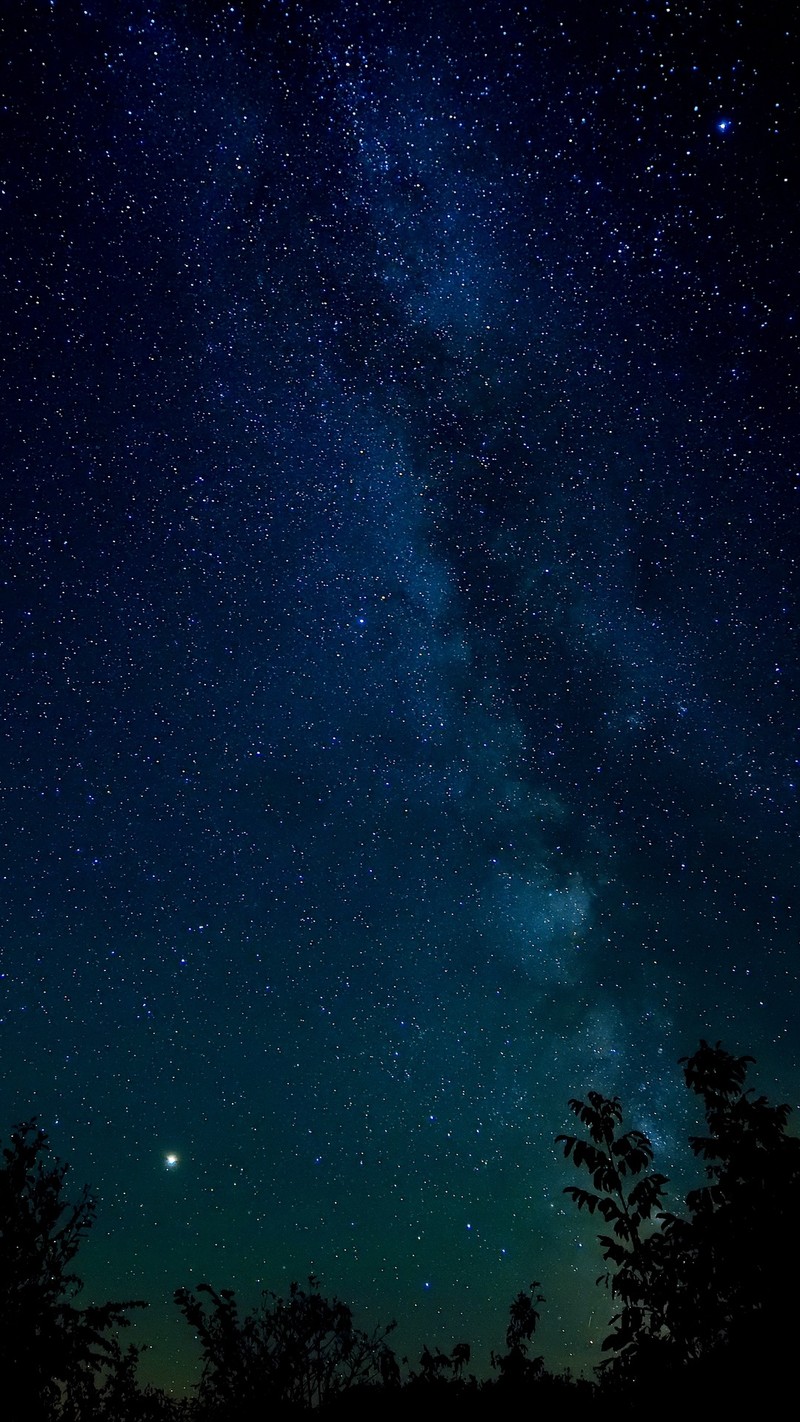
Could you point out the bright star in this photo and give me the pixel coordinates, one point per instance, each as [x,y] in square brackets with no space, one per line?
[170,1161]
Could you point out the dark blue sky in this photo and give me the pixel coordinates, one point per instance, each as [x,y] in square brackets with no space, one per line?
[399,525]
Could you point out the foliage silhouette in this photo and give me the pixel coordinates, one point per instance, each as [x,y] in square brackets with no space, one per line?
[291,1354]
[738,1253]
[120,1398]
[438,1369]
[628,1199]
[702,1295]
[51,1351]
[514,1366]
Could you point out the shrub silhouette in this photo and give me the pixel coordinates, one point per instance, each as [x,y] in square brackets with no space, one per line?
[514,1366]
[291,1354]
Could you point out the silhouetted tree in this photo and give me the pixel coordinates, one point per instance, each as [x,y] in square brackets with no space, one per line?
[703,1296]
[51,1351]
[627,1199]
[736,1258]
[291,1354]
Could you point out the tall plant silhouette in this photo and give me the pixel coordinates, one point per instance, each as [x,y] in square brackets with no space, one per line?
[51,1350]
[707,1290]
[627,1197]
[737,1253]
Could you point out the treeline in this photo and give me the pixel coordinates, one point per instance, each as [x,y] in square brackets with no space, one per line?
[703,1302]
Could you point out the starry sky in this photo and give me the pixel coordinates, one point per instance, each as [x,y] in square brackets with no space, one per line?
[398,625]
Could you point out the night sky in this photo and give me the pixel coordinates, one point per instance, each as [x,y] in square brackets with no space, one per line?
[398,625]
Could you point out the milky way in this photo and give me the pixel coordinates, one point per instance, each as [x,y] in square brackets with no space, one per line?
[398,626]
